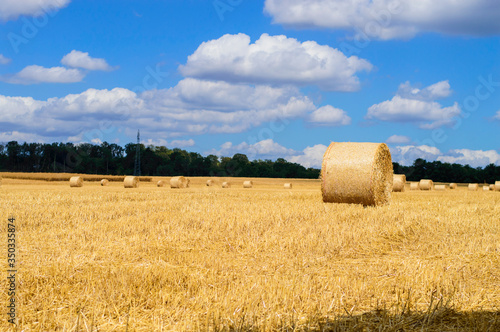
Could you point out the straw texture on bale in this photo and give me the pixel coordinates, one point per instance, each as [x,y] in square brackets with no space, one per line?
[473,186]
[486,188]
[426,184]
[440,187]
[398,182]
[415,186]
[104,182]
[492,187]
[247,184]
[76,182]
[357,173]
[210,183]
[288,186]
[0,181]
[497,185]
[160,183]
[226,185]
[453,186]
[131,182]
[179,182]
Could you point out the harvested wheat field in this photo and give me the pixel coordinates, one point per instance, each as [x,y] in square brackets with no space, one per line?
[266,259]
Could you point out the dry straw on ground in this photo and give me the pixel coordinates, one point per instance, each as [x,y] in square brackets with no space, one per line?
[288,186]
[131,182]
[226,185]
[104,182]
[453,186]
[426,184]
[76,182]
[440,187]
[210,183]
[179,182]
[357,173]
[160,183]
[247,184]
[473,187]
[415,186]
[398,182]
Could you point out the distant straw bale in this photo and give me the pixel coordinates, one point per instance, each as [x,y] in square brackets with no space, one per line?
[179,182]
[160,184]
[76,182]
[357,173]
[453,186]
[497,185]
[492,187]
[288,186]
[426,184]
[131,182]
[415,186]
[210,183]
[440,187]
[398,182]
[248,184]
[226,185]
[473,187]
[486,188]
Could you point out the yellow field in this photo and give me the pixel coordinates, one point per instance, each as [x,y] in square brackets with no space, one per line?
[205,258]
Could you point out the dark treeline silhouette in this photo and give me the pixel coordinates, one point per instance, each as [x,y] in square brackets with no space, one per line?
[113,159]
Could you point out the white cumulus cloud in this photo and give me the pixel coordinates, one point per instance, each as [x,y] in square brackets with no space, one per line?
[474,158]
[389,19]
[312,156]
[398,139]
[12,9]
[406,155]
[417,106]
[4,60]
[78,59]
[329,115]
[275,60]
[35,74]
[263,149]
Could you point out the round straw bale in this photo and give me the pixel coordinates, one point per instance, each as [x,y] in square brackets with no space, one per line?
[210,183]
[492,187]
[188,183]
[415,186]
[131,182]
[497,185]
[357,173]
[288,186]
[453,186]
[486,188]
[104,182]
[179,182]
[398,182]
[160,183]
[76,182]
[247,184]
[426,184]
[226,185]
[473,186]
[440,187]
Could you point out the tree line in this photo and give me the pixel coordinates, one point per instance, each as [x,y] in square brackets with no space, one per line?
[113,159]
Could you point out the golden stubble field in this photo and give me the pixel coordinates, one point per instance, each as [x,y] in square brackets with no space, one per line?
[206,258]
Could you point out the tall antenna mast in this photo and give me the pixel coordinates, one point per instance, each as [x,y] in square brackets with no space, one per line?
[137,166]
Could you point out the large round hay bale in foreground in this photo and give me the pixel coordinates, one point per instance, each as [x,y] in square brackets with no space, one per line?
[440,187]
[210,183]
[398,182]
[179,182]
[473,187]
[76,182]
[426,184]
[357,173]
[453,186]
[415,186]
[288,186]
[497,185]
[486,188]
[104,182]
[247,184]
[160,184]
[226,185]
[131,182]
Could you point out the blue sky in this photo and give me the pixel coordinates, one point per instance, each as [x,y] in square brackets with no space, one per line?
[274,78]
